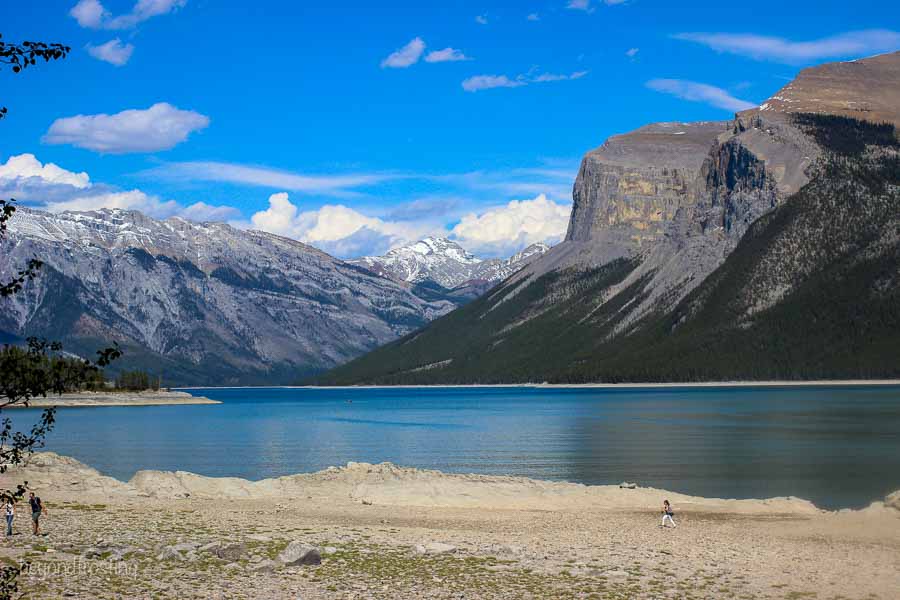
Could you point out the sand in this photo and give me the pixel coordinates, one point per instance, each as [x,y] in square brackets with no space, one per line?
[147,398]
[390,532]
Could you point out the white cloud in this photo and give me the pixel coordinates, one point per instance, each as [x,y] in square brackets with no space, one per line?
[584,5]
[160,127]
[445,55]
[114,52]
[89,13]
[22,167]
[533,17]
[632,52]
[507,229]
[406,56]
[481,19]
[548,77]
[699,92]
[487,82]
[92,14]
[336,229]
[334,185]
[761,47]
[50,187]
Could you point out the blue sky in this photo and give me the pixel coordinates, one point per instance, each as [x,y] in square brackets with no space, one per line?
[356,126]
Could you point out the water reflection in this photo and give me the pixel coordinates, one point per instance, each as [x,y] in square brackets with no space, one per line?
[835,446]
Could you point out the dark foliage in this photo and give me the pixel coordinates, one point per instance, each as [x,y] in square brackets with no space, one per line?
[136,381]
[846,136]
[21,56]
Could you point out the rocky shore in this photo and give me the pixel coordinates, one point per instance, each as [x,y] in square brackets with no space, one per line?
[382,531]
[146,398]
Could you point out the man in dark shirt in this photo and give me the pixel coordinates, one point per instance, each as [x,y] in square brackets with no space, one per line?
[37,507]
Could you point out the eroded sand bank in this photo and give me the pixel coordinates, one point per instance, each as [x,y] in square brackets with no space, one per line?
[390,532]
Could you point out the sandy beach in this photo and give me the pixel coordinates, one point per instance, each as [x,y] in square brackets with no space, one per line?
[147,398]
[382,531]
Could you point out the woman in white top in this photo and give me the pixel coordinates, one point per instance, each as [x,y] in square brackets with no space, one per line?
[668,513]
[10,509]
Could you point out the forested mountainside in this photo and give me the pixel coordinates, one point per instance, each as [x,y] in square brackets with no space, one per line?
[763,248]
[201,303]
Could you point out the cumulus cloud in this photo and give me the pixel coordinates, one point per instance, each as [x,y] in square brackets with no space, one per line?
[507,229]
[487,82]
[481,19]
[445,55]
[406,56]
[336,229]
[18,170]
[89,13]
[699,92]
[50,187]
[92,14]
[632,52]
[761,47]
[114,52]
[160,127]
[584,5]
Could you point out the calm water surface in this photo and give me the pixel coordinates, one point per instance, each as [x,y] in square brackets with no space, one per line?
[837,446]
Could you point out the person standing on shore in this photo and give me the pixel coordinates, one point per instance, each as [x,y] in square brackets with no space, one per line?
[667,514]
[10,510]
[37,508]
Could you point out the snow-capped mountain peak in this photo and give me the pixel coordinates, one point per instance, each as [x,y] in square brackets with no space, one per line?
[445,262]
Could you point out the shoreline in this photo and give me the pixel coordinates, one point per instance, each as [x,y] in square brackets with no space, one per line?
[100,399]
[381,531]
[601,386]
[390,484]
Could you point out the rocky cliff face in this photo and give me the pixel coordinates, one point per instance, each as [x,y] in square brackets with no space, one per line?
[203,303]
[763,247]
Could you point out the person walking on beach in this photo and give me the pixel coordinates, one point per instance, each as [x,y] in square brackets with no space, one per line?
[667,514]
[10,510]
[37,508]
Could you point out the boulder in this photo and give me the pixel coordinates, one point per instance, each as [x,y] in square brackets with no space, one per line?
[435,548]
[300,553]
[231,552]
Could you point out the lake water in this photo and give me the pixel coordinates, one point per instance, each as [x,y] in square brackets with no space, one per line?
[837,446]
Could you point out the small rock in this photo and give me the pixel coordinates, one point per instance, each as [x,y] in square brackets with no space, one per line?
[231,552]
[266,566]
[435,548]
[210,547]
[169,553]
[300,553]
[625,485]
[329,550]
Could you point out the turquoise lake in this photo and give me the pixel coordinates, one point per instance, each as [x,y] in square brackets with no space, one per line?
[837,446]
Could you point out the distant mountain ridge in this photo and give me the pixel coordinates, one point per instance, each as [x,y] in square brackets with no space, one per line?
[765,247]
[445,262]
[200,303]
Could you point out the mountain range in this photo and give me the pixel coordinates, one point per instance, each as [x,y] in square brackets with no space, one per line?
[445,262]
[763,247]
[209,304]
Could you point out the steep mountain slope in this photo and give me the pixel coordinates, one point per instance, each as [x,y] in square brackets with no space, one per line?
[773,253]
[446,263]
[200,303]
